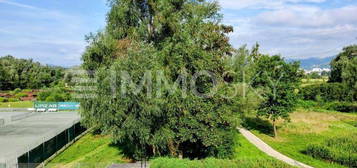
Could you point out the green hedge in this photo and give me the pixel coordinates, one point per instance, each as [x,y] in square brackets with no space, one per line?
[327,92]
[216,163]
[342,150]
[13,100]
[346,107]
[19,95]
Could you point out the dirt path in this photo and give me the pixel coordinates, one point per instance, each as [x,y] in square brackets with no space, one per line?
[269,150]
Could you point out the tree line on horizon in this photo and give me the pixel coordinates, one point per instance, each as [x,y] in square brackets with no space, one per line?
[27,74]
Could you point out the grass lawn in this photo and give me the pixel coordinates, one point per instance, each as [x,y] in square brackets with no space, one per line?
[20,104]
[91,151]
[246,150]
[309,126]
[96,151]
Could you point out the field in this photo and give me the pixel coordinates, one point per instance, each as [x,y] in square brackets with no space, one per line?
[97,151]
[307,127]
[90,151]
[19,104]
[307,82]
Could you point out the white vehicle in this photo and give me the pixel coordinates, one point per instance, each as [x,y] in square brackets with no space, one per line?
[41,110]
[52,110]
[31,109]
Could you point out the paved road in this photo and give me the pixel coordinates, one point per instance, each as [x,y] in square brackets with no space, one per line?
[269,150]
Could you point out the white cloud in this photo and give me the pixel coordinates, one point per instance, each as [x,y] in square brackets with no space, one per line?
[309,16]
[260,4]
[21,5]
[295,30]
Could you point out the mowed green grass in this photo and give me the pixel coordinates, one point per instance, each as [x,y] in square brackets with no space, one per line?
[96,151]
[19,104]
[246,150]
[308,126]
[91,151]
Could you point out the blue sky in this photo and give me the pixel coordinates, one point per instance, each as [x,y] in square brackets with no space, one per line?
[52,31]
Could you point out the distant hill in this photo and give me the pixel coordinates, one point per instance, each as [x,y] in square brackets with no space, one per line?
[311,63]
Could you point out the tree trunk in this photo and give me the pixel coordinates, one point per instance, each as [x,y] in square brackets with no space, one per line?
[275,131]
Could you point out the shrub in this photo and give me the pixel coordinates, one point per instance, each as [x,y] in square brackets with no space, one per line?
[318,151]
[342,150]
[56,94]
[216,163]
[13,100]
[346,107]
[2,99]
[19,95]
[327,92]
[17,90]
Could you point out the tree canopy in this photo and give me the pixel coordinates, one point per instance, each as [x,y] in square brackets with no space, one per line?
[22,73]
[344,69]
[162,43]
[279,80]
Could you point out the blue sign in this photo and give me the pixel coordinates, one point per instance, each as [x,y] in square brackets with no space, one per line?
[68,106]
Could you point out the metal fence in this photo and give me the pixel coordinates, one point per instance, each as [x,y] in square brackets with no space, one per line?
[36,156]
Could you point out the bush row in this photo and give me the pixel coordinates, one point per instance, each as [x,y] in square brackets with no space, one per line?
[2,99]
[342,150]
[346,107]
[216,163]
[327,92]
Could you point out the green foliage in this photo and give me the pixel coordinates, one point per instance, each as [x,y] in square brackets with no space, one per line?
[27,90]
[326,92]
[13,99]
[16,91]
[344,69]
[57,93]
[342,150]
[279,81]
[346,107]
[314,75]
[306,104]
[177,37]
[338,65]
[2,99]
[19,95]
[21,73]
[215,163]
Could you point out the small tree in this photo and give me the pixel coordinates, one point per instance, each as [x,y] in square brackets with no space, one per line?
[279,80]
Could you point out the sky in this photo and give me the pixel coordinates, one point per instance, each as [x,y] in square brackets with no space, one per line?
[53,31]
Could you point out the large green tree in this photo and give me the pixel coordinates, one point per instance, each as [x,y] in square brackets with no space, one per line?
[169,41]
[279,80]
[339,63]
[344,69]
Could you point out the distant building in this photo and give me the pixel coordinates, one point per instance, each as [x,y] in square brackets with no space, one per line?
[318,70]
